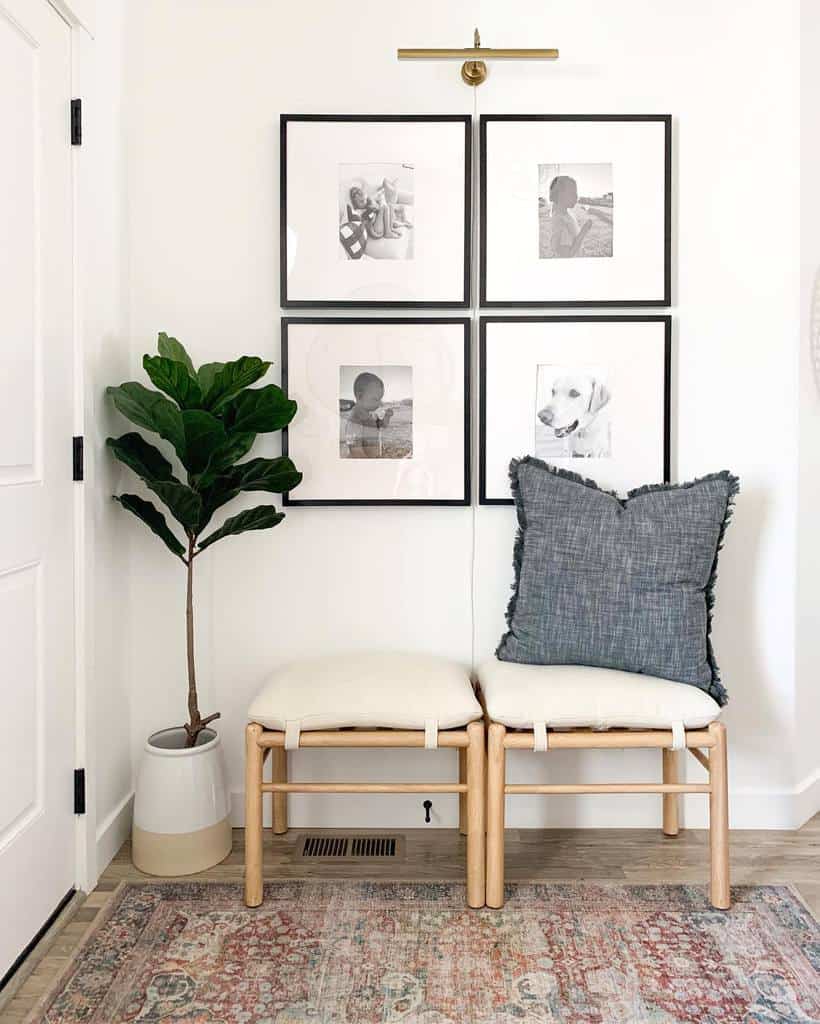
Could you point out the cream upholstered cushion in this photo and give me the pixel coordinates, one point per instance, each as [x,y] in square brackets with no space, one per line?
[396,691]
[597,698]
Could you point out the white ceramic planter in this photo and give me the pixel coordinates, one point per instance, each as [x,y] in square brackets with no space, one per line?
[181,812]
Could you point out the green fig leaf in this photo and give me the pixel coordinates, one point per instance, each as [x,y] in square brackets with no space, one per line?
[262,517]
[204,434]
[151,410]
[230,379]
[273,475]
[205,375]
[170,348]
[173,378]
[259,409]
[234,447]
[146,461]
[183,502]
[153,519]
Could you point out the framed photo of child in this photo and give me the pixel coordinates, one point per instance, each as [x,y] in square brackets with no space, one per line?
[590,394]
[575,210]
[375,210]
[384,409]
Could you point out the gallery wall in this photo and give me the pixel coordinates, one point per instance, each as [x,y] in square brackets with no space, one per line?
[206,82]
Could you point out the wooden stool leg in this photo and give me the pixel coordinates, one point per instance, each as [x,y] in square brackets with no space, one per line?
[279,773]
[719,818]
[254,759]
[670,800]
[476,836]
[462,797]
[495,815]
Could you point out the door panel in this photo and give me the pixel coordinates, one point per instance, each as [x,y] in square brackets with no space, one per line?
[18,264]
[21,754]
[37,696]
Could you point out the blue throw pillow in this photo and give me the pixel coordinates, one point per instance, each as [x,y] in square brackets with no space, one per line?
[616,583]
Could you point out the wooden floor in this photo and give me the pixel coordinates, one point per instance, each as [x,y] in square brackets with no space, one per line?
[615,855]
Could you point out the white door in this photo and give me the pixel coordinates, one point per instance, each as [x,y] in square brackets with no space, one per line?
[36,515]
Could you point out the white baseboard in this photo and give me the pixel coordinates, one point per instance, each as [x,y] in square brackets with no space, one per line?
[748,809]
[113,831]
[807,797]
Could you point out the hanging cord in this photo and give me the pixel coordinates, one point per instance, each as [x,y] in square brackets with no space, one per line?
[474,374]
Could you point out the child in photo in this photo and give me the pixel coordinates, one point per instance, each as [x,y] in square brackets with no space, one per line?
[389,195]
[375,213]
[564,234]
[361,430]
[376,203]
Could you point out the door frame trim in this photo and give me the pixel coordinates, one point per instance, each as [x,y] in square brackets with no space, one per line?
[78,13]
[86,869]
[79,16]
[97,835]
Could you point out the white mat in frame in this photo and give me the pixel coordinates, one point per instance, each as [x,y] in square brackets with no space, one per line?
[420,368]
[587,393]
[428,160]
[622,168]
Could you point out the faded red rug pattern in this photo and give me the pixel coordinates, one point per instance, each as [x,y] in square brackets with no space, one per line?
[356,953]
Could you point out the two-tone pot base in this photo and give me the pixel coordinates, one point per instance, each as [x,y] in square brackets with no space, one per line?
[181,812]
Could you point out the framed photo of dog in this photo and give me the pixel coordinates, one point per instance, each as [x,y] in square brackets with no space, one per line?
[576,210]
[384,409]
[375,210]
[587,393]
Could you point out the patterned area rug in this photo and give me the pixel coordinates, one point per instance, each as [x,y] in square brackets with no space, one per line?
[361,952]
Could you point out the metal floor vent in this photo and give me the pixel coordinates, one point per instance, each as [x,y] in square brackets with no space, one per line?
[351,847]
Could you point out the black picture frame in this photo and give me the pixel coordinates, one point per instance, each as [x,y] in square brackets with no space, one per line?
[666,320]
[465,301]
[591,303]
[466,499]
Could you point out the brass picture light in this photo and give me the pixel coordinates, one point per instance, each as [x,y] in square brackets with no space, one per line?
[474,70]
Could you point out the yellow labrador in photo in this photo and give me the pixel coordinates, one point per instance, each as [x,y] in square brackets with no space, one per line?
[577,410]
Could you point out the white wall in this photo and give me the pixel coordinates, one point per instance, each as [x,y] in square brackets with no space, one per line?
[807,691]
[207,80]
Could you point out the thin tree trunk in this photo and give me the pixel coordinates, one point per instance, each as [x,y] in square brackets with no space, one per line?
[195,723]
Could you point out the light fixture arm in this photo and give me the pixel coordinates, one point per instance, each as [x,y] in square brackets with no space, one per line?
[474,69]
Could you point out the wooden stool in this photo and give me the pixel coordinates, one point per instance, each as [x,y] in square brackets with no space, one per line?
[603,709]
[365,701]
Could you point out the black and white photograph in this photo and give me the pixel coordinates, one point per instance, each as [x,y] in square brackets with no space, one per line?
[376,211]
[566,388]
[573,409]
[575,210]
[375,412]
[551,233]
[383,409]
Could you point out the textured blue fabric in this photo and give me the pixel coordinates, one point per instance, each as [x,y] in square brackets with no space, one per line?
[612,583]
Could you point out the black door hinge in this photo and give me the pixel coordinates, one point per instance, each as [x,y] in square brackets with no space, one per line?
[76,122]
[79,790]
[77,459]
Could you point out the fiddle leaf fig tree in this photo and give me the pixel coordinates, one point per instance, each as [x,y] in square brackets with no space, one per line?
[211,418]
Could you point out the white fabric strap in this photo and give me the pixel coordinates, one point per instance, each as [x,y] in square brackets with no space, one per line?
[430,733]
[293,728]
[540,738]
[678,736]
